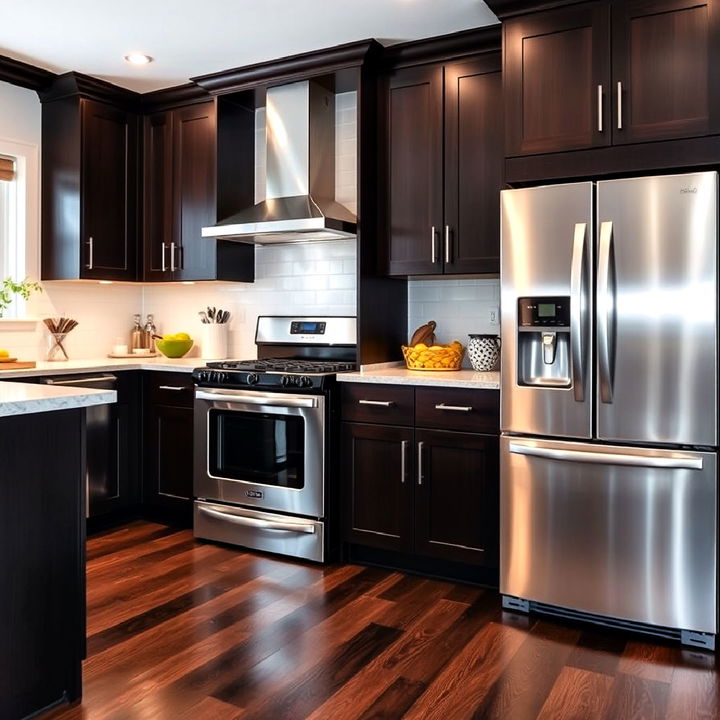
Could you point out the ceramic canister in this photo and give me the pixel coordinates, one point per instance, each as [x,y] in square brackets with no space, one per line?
[484,352]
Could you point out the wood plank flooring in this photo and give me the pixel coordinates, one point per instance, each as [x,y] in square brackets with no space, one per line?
[179,629]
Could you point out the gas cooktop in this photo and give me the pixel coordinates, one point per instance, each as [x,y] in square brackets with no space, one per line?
[284,365]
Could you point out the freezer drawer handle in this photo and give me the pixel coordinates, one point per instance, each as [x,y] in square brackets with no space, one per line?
[381,403]
[256,522]
[677,462]
[455,408]
[275,400]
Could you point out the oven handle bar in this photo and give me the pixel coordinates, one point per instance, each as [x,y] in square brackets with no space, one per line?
[255,522]
[276,400]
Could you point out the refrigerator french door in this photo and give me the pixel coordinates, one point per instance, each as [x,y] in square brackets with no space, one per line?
[609,402]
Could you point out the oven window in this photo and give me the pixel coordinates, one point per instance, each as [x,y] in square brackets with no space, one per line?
[259,448]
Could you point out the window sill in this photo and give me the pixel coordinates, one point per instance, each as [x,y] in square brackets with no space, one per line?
[18,324]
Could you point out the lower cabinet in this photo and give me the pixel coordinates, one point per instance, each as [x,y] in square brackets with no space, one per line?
[168,446]
[410,488]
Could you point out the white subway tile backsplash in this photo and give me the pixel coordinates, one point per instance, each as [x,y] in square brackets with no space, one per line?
[459,307]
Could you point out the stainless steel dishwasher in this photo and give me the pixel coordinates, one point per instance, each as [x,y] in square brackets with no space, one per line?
[101,476]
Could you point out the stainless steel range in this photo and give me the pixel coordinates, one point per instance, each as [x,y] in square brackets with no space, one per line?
[264,446]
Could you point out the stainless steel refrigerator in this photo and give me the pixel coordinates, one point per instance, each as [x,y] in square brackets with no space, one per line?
[609,403]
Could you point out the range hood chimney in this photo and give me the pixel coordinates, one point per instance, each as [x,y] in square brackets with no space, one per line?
[299,203]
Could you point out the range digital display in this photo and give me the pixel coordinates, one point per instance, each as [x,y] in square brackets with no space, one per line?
[307,327]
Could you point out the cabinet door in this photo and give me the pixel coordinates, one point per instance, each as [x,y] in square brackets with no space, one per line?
[168,447]
[193,257]
[456,497]
[158,209]
[415,210]
[556,73]
[666,69]
[108,187]
[474,159]
[377,471]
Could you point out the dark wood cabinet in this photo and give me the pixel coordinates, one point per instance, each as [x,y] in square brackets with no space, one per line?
[409,489]
[89,188]
[666,69]
[611,72]
[557,75]
[42,556]
[168,446]
[444,138]
[456,497]
[377,475]
[180,199]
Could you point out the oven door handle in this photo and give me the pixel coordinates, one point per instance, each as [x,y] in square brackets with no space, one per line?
[256,522]
[276,400]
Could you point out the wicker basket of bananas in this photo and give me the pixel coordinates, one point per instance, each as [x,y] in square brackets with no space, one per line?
[424,354]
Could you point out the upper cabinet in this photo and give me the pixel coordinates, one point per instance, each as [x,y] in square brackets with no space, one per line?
[89,188]
[596,74]
[179,185]
[444,167]
[179,181]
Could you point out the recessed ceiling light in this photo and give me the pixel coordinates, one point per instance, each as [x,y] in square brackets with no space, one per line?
[138,58]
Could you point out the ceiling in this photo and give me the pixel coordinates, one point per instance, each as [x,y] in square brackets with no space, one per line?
[190,37]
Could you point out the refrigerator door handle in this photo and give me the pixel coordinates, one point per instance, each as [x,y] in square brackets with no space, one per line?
[671,461]
[605,313]
[578,311]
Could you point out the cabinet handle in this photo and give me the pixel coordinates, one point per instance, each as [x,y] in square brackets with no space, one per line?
[383,403]
[403,460]
[447,244]
[455,408]
[619,104]
[421,445]
[162,264]
[600,107]
[172,257]
[90,253]
[176,388]
[433,249]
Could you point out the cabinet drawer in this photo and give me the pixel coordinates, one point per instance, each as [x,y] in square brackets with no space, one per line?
[458,409]
[389,404]
[170,388]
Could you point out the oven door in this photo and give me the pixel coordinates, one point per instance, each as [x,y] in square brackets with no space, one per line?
[262,449]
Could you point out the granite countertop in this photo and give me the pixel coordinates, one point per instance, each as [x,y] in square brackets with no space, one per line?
[27,398]
[68,367]
[398,374]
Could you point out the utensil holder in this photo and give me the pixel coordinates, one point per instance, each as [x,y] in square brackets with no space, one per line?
[214,343]
[56,349]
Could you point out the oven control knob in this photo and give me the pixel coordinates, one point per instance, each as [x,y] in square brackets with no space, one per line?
[253,379]
[304,381]
[287,380]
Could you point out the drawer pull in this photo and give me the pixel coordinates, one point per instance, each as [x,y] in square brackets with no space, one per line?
[381,403]
[176,388]
[454,408]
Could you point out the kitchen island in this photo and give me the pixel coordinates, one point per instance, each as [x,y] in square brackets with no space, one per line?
[42,544]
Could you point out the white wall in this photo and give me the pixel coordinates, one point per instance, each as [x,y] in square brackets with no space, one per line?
[459,307]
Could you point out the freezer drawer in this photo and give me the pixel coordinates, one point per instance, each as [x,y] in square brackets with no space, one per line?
[622,532]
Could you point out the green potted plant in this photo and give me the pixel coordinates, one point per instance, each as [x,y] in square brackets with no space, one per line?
[10,288]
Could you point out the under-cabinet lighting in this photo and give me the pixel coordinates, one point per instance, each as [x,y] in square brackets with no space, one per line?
[105,282]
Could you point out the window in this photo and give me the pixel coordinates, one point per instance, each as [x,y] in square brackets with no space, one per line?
[18,215]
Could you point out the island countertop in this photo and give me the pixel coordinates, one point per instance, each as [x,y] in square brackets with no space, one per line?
[25,398]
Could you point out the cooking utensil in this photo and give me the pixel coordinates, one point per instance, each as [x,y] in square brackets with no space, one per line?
[203,317]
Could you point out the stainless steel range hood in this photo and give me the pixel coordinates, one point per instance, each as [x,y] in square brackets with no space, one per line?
[299,202]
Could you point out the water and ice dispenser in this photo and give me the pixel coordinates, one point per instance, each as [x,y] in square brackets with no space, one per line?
[544,341]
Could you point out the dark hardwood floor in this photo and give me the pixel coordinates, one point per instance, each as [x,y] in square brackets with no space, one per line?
[179,629]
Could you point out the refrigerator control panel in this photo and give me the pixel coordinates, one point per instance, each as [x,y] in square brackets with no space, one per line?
[543,312]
